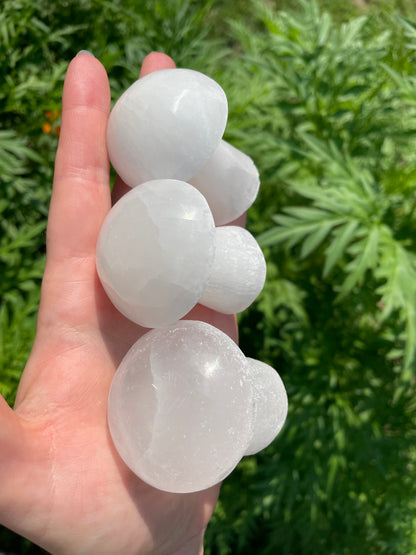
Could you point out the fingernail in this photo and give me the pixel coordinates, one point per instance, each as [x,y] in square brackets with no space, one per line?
[85,52]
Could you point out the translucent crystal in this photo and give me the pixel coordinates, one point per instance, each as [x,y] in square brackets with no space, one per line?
[229,181]
[166,125]
[238,272]
[180,407]
[270,404]
[155,251]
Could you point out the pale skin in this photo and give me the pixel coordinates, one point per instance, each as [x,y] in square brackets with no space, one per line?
[62,484]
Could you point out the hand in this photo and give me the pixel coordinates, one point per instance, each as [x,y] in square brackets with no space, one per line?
[63,485]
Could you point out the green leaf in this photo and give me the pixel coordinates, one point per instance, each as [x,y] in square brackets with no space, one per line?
[316,237]
[366,256]
[310,222]
[341,239]
[398,292]
[326,26]
[23,238]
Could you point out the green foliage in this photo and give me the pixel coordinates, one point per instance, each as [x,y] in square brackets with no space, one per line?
[365,225]
[326,107]
[336,149]
[349,140]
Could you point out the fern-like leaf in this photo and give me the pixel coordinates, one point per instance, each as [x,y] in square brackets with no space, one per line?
[397,270]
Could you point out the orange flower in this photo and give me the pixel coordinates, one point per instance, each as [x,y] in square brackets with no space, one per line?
[52,115]
[46,127]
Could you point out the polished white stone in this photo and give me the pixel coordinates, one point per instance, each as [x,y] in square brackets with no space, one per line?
[238,272]
[180,408]
[270,404]
[166,125]
[229,181]
[155,251]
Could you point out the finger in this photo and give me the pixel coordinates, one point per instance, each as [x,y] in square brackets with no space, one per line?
[224,322]
[153,62]
[240,221]
[156,61]
[119,189]
[81,194]
[80,198]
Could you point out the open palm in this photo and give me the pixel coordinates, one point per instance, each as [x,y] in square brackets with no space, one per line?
[62,483]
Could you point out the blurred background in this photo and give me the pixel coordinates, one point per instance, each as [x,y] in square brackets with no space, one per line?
[322,96]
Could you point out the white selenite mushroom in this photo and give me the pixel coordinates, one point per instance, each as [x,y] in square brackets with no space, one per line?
[180,408]
[185,404]
[270,404]
[229,181]
[155,251]
[166,125]
[238,272]
[158,254]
